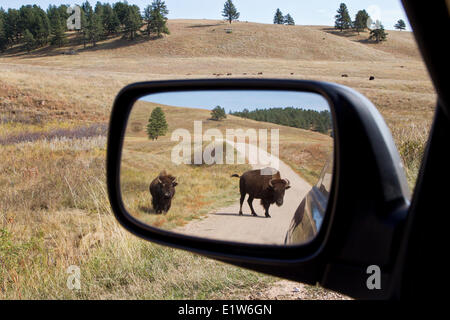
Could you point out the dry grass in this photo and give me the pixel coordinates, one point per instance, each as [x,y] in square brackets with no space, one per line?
[51,216]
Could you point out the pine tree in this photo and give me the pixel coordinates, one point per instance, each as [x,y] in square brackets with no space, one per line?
[3,37]
[29,40]
[289,20]
[230,12]
[156,18]
[57,26]
[401,25]
[111,22]
[94,26]
[35,20]
[121,10]
[133,21]
[218,113]
[86,13]
[378,33]
[42,29]
[343,21]
[361,19]
[11,26]
[278,18]
[157,124]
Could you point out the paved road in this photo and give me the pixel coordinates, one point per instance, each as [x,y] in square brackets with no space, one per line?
[226,224]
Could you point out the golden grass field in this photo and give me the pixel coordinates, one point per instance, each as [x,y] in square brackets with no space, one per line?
[53,206]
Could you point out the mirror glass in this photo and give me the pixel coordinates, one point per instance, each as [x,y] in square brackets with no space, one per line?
[243,166]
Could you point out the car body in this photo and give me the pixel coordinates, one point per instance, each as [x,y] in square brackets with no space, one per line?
[309,216]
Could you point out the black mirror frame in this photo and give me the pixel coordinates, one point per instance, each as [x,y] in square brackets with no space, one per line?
[364,217]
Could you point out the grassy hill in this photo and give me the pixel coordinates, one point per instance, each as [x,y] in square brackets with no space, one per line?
[206,38]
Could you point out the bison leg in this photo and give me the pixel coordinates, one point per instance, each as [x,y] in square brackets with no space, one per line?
[266,207]
[241,202]
[250,203]
[167,206]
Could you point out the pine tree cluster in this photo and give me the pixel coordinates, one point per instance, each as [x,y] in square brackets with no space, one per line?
[32,27]
[291,117]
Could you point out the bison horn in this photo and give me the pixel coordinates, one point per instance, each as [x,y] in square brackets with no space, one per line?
[270,183]
[288,183]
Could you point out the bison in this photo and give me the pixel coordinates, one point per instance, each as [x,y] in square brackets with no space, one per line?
[265,184]
[162,190]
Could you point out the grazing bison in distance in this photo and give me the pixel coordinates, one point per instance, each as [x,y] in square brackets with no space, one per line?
[162,190]
[265,184]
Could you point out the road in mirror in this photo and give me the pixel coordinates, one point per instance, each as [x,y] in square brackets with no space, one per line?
[243,166]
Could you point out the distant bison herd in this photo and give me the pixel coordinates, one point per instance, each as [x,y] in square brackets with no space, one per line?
[265,184]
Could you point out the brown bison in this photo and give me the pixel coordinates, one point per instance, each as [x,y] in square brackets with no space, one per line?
[162,190]
[265,184]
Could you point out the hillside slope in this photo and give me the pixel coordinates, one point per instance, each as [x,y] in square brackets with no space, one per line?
[199,38]
[209,38]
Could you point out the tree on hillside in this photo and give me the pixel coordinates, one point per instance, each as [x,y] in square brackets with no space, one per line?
[93,27]
[157,124]
[86,13]
[3,38]
[343,21]
[292,117]
[155,16]
[29,40]
[230,12]
[401,25]
[278,18]
[111,23]
[43,29]
[133,21]
[378,33]
[218,113]
[289,20]
[35,20]
[57,26]
[361,19]
[12,26]
[63,13]
[121,10]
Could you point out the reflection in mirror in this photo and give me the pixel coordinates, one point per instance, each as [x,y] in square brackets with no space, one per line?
[243,166]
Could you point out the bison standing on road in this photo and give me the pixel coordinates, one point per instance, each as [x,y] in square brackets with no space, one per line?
[162,190]
[265,184]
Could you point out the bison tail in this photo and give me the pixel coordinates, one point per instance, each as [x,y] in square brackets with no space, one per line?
[235,176]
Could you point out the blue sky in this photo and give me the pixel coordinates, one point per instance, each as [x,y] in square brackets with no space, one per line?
[240,100]
[305,12]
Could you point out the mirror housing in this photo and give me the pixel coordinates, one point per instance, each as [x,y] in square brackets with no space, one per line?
[368,203]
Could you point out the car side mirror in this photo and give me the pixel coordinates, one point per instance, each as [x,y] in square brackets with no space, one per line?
[362,188]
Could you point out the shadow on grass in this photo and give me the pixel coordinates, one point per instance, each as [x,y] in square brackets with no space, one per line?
[106,44]
[367,41]
[148,210]
[336,32]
